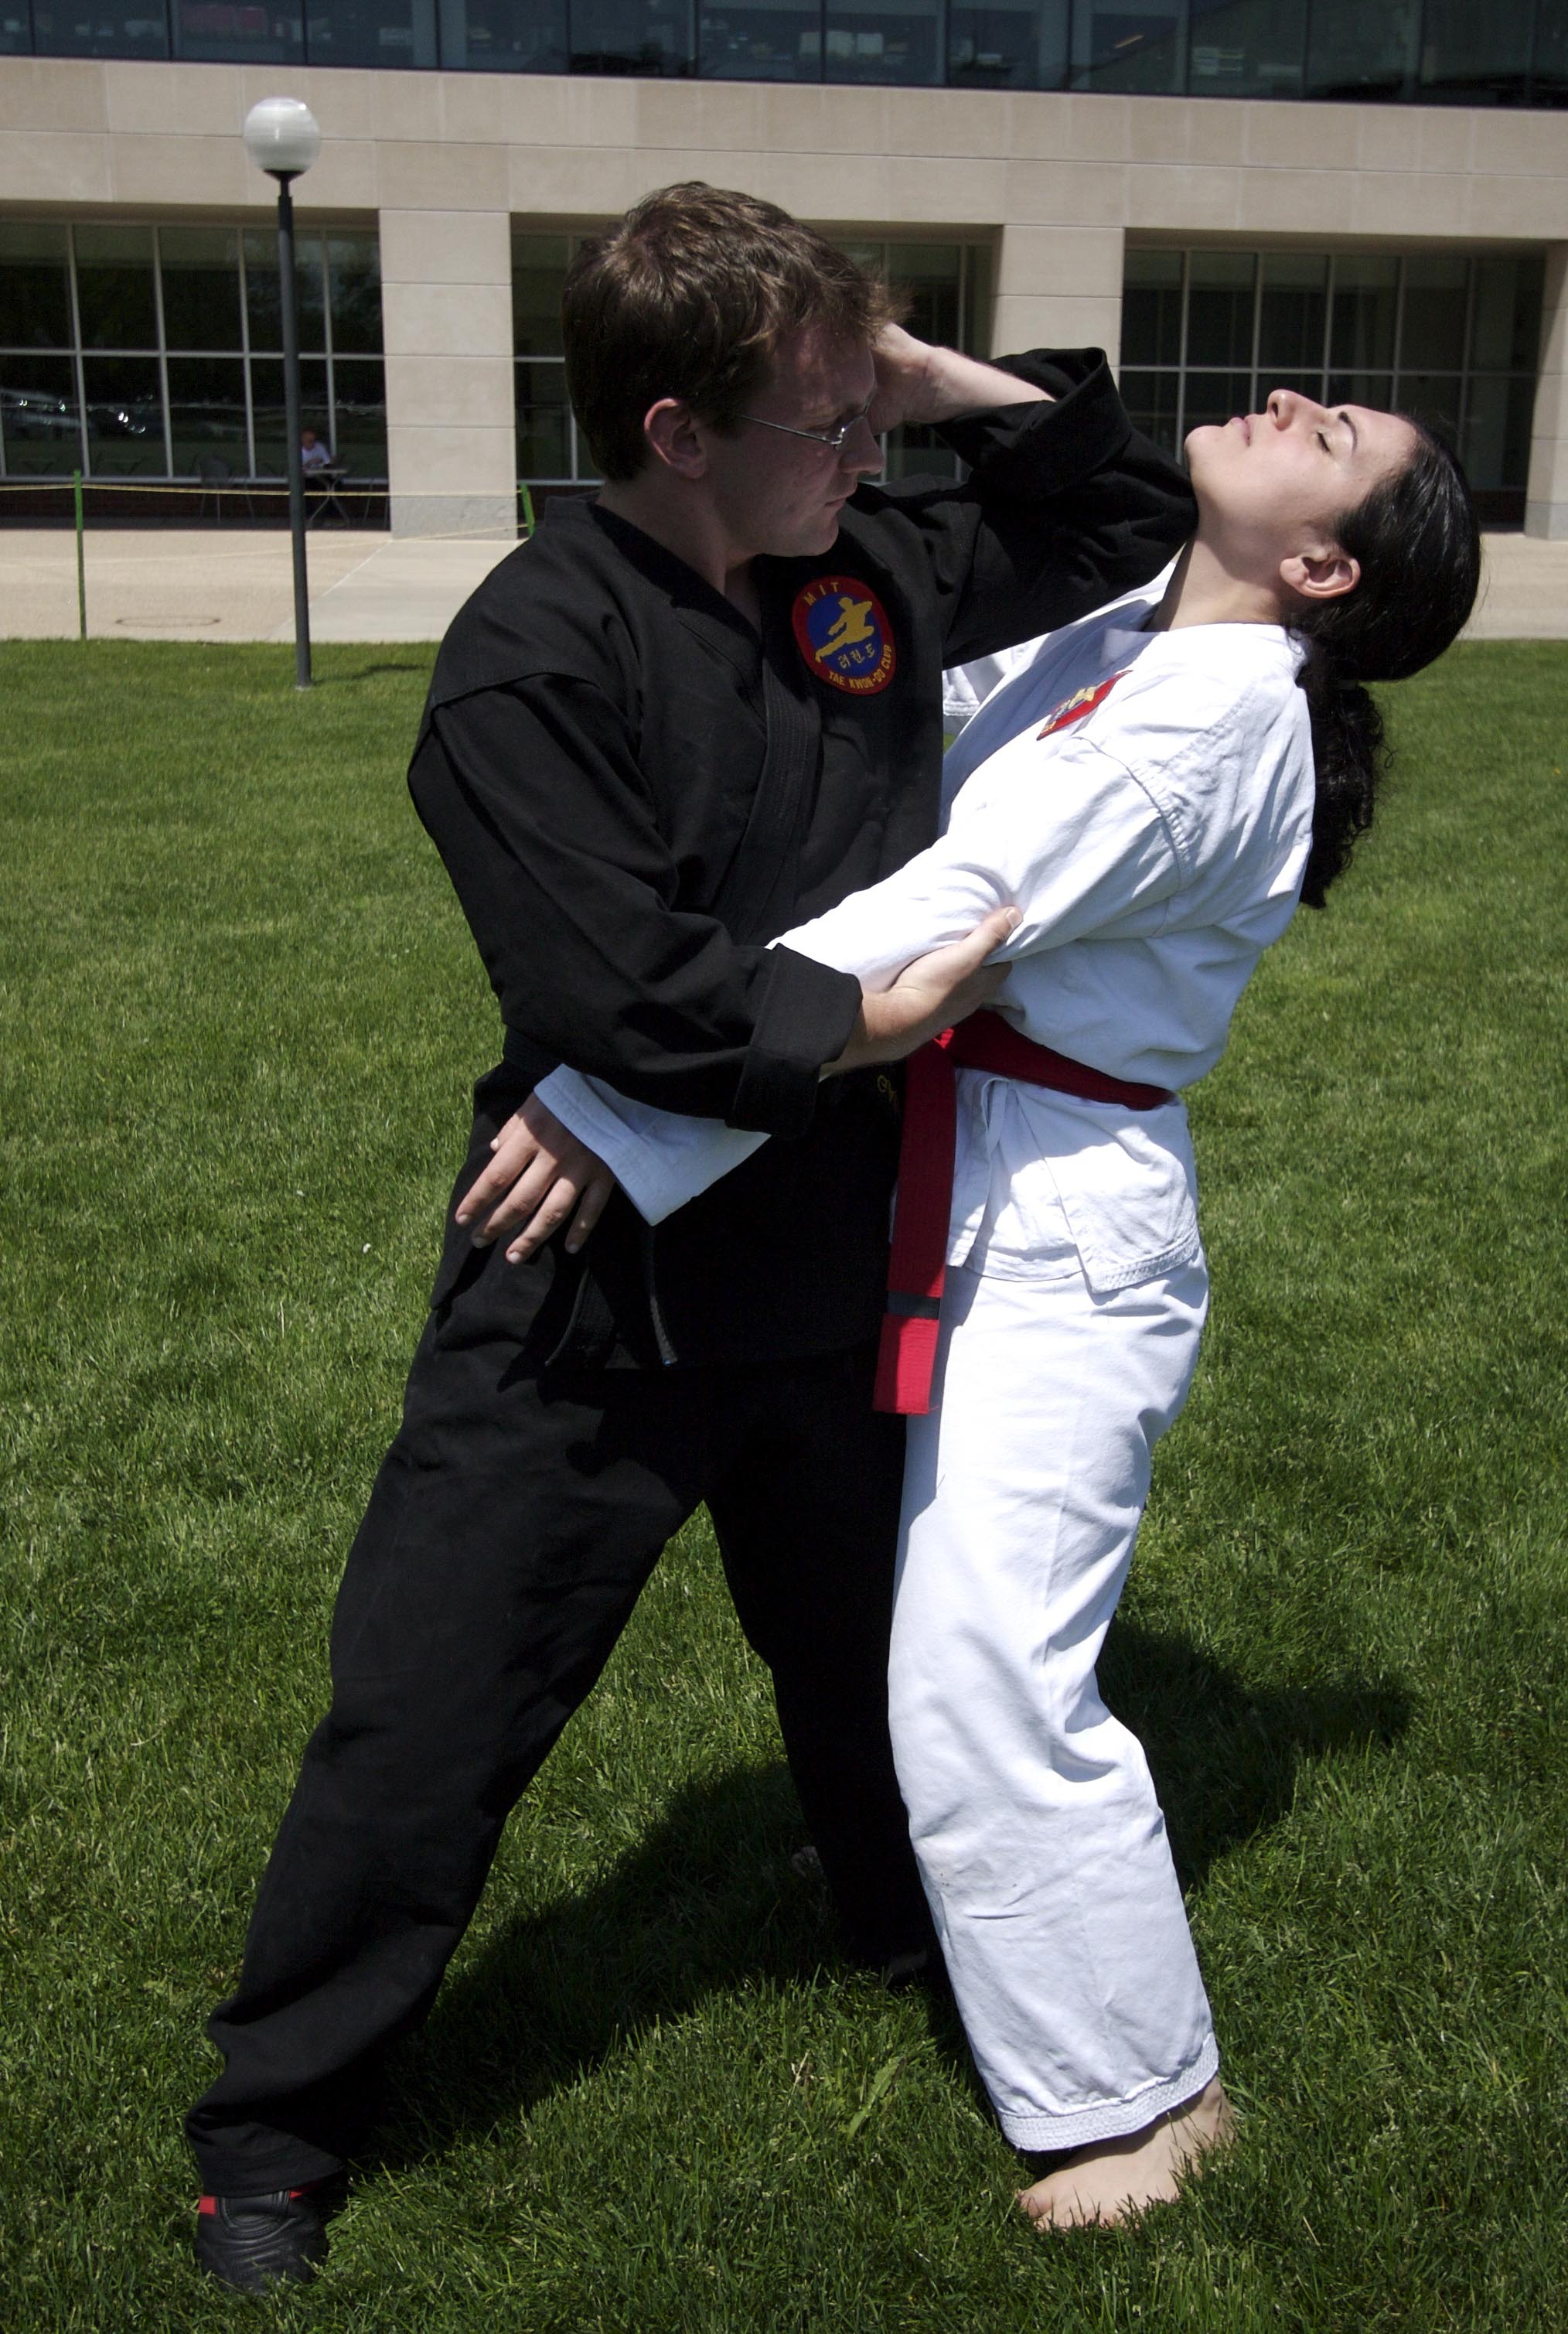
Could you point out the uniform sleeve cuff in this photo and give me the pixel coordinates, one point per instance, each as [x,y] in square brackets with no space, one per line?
[1037,450]
[806,1017]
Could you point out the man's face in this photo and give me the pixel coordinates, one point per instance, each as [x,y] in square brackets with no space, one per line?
[779,494]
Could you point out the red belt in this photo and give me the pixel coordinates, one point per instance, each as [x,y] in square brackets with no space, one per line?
[917,1267]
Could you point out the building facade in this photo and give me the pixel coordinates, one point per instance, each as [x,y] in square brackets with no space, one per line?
[1367,201]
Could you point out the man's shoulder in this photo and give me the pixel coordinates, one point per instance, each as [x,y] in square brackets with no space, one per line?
[556,605]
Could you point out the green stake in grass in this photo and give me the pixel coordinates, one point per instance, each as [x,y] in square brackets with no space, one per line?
[81,563]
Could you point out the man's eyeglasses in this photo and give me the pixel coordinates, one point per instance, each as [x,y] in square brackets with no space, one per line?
[834,440]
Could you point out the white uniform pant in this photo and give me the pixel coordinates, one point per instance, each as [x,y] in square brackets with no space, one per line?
[1039,1839]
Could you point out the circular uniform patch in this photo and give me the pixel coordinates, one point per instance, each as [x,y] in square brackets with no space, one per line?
[843,635]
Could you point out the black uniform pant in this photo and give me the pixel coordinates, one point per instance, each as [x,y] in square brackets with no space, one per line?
[513,1524]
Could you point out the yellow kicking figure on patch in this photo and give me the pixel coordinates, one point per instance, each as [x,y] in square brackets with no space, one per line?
[852,627]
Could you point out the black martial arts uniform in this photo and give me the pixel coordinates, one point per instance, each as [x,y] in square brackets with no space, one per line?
[632,791]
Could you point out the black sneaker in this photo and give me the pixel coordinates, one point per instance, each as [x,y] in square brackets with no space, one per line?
[250,2242]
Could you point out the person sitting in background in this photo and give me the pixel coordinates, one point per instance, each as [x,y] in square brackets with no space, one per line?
[313,455]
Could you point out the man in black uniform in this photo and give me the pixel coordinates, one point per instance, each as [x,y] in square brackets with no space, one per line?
[687,714]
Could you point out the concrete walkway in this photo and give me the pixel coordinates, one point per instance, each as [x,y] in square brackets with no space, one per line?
[234,584]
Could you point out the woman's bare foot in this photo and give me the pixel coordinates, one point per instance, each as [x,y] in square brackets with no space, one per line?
[1116,2178]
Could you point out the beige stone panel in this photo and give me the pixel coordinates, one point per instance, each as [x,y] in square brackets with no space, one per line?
[53,93]
[1193,198]
[1448,135]
[1101,129]
[55,166]
[468,319]
[1513,140]
[1296,202]
[451,392]
[1090,194]
[1162,129]
[1391,203]
[1303,137]
[944,121]
[413,178]
[1215,131]
[408,106]
[344,179]
[1056,320]
[943,190]
[677,114]
[852,188]
[440,461]
[1084,261]
[445,247]
[344,100]
[209,171]
[810,119]
[164,100]
[526,110]
[571,182]
[1510,208]
[1035,123]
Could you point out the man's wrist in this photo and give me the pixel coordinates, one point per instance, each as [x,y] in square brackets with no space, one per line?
[956,386]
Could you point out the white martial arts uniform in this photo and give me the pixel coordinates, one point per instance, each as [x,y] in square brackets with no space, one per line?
[1155,844]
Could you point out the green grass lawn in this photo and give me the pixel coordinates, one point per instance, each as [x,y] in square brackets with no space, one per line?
[238,1015]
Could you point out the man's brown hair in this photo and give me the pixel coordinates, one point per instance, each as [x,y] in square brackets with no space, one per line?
[689,295]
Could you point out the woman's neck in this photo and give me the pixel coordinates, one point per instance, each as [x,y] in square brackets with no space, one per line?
[1203,591]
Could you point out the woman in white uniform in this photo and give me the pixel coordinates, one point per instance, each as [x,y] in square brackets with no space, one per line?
[1151,790]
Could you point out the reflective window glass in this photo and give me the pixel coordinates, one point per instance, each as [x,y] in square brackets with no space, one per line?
[538,273]
[15,28]
[1473,52]
[1019,44]
[1505,312]
[761,40]
[1127,44]
[124,411]
[917,452]
[1214,397]
[1362,48]
[543,430]
[358,437]
[386,33]
[207,423]
[976,333]
[1496,444]
[270,413]
[114,287]
[1150,398]
[1247,48]
[354,281]
[1365,302]
[237,31]
[504,35]
[930,277]
[1374,389]
[1549,72]
[1151,308]
[200,269]
[632,37]
[1219,308]
[1432,323]
[40,422]
[1293,312]
[1433,397]
[888,41]
[35,286]
[106,28]
[260,274]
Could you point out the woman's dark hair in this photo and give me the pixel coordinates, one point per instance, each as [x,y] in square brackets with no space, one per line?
[1418,545]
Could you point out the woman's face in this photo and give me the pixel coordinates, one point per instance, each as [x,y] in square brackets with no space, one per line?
[1271,486]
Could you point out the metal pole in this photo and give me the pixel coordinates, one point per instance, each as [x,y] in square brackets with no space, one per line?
[296,474]
[80,564]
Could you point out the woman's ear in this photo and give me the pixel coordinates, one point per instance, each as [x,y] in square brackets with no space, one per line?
[673,438]
[1326,574]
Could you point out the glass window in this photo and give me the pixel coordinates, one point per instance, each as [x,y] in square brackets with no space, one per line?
[1496,444]
[1219,305]
[270,413]
[976,309]
[1293,316]
[1474,52]
[1550,68]
[114,287]
[538,273]
[359,442]
[1365,305]
[1127,44]
[1018,45]
[544,424]
[1151,400]
[261,283]
[200,267]
[355,279]
[1432,322]
[35,286]
[886,41]
[238,32]
[124,411]
[632,37]
[504,35]
[1215,397]
[207,424]
[107,28]
[1433,397]
[1375,389]
[1363,48]
[929,275]
[373,33]
[39,421]
[15,28]
[1151,308]
[761,40]
[1247,48]
[1505,312]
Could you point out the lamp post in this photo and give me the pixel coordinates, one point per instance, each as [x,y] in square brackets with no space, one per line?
[282,138]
